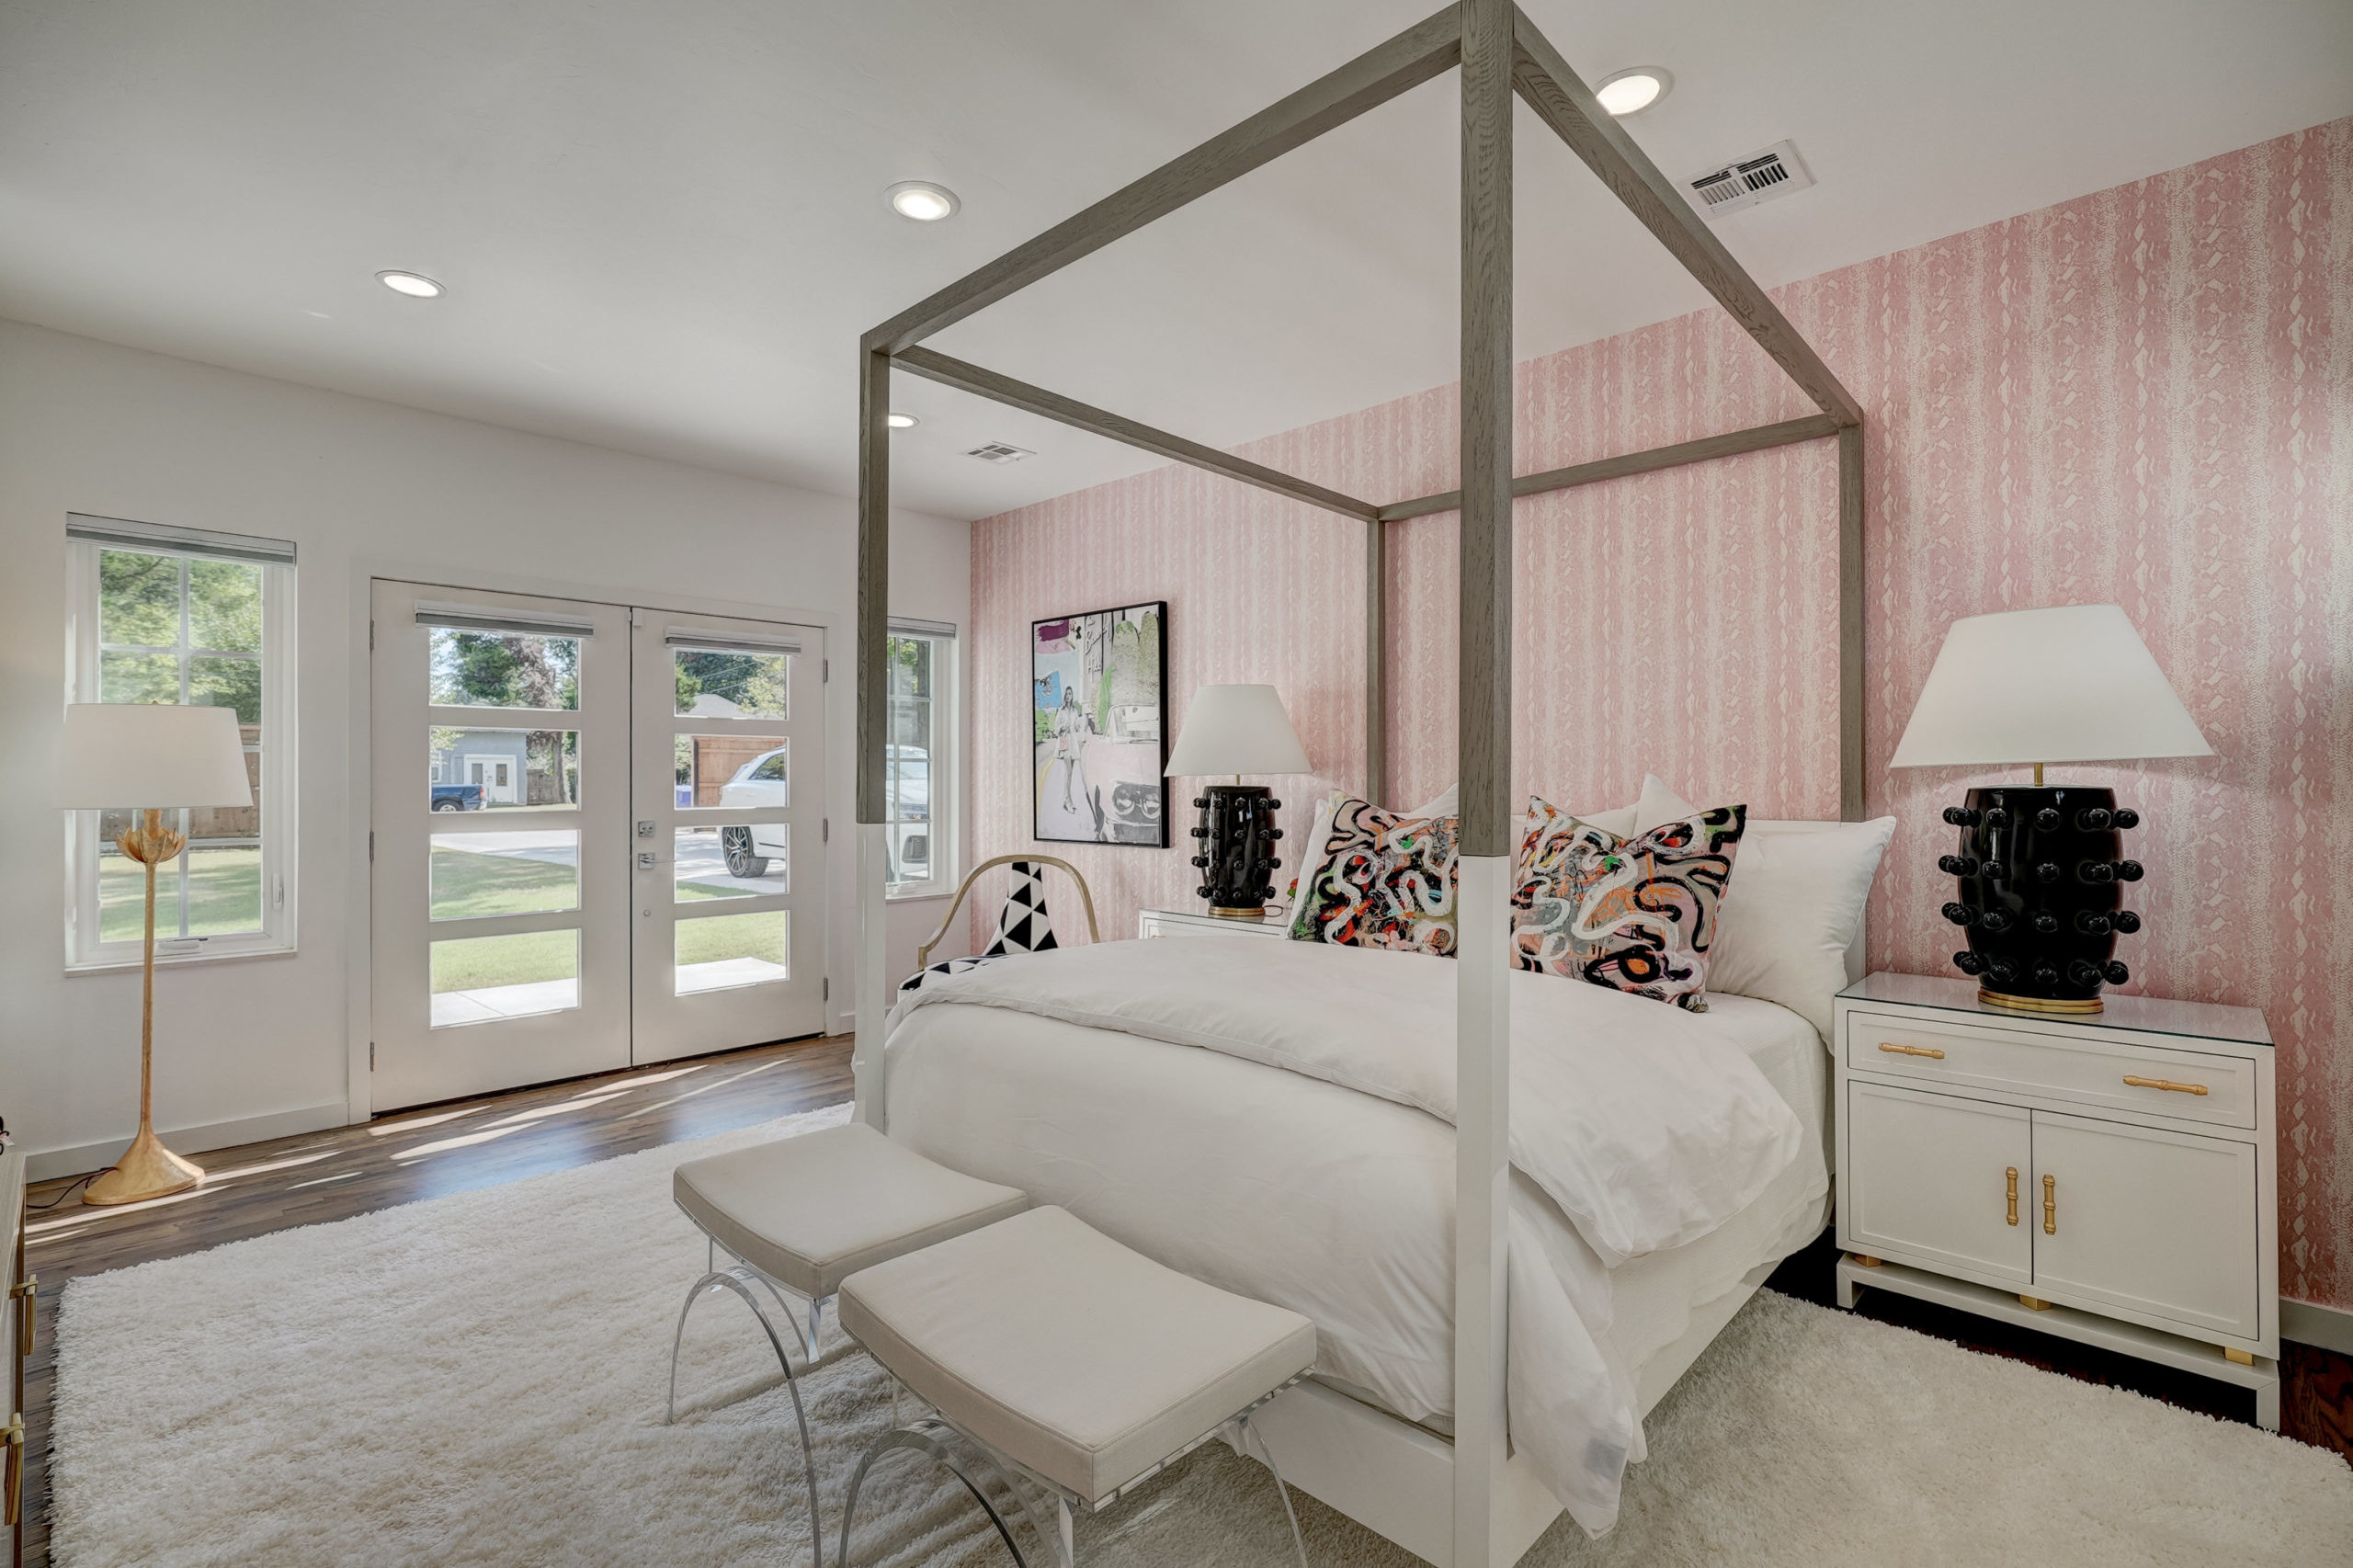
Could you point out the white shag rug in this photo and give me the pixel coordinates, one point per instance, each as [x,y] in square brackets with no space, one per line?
[478,1378]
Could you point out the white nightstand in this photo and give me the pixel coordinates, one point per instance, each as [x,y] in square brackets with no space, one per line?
[1201,923]
[2109,1178]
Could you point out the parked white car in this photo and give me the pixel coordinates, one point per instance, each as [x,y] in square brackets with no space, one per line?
[766,782]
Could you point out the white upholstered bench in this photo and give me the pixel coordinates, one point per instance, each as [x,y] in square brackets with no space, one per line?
[1069,1358]
[801,1214]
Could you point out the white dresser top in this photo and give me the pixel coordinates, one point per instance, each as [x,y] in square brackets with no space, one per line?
[2144,1014]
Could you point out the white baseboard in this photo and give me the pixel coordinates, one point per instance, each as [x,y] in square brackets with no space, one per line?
[46,1164]
[2309,1323]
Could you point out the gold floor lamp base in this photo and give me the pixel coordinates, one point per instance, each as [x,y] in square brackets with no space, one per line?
[146,1170]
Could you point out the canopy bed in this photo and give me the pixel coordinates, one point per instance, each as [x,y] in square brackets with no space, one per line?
[1405,1427]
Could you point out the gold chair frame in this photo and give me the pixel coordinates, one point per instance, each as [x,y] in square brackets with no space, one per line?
[1086,899]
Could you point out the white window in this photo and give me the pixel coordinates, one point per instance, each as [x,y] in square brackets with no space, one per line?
[171,615]
[919,777]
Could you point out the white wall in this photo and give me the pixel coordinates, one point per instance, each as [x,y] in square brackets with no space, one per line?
[250,1049]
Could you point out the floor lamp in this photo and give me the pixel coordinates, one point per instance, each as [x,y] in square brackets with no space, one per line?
[147,758]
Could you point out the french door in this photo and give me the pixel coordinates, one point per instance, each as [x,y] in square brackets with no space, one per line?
[596,838]
[729,869]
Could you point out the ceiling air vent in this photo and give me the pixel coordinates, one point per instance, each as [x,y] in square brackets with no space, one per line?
[998,452]
[1760,176]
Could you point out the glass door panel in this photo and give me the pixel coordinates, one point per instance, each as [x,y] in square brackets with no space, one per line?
[500,890]
[730,833]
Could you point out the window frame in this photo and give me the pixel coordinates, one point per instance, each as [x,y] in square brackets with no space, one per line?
[942,762]
[86,952]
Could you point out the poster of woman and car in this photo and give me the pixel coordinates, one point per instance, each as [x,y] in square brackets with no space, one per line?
[1098,715]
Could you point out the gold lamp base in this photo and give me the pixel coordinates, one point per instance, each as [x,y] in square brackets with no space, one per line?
[2040,1003]
[146,1170]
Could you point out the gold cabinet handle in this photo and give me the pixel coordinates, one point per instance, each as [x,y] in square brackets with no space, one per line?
[13,1436]
[2165,1084]
[2013,1195]
[2050,1205]
[1922,1050]
[26,1290]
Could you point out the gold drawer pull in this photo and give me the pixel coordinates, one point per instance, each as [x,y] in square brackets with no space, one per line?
[2049,1206]
[1920,1050]
[2165,1084]
[2013,1195]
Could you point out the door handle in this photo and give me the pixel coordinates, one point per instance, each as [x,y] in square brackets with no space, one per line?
[2013,1195]
[2050,1205]
[648,862]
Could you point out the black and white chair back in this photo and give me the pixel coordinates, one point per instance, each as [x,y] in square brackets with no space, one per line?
[1023,926]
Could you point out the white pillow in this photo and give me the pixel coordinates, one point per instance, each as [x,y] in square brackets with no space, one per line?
[1794,908]
[1620,822]
[1309,851]
[1448,804]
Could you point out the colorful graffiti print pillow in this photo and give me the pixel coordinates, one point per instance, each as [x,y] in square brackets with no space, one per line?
[1381,879]
[1636,914]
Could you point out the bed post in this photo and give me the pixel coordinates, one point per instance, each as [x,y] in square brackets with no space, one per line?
[1850,623]
[1376,660]
[1483,1001]
[872,652]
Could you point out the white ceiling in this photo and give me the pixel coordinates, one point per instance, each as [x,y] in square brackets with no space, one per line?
[662,228]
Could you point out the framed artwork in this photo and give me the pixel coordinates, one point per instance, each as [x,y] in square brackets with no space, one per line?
[1099,726]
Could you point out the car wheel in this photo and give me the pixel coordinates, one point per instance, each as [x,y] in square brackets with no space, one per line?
[445,805]
[736,843]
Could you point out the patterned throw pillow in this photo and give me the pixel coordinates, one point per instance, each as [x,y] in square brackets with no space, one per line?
[1635,915]
[1381,881]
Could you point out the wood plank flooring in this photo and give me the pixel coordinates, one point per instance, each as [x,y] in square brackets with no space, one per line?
[399,1158]
[456,1147]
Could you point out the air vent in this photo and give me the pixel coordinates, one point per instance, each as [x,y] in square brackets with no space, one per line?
[1760,176]
[998,452]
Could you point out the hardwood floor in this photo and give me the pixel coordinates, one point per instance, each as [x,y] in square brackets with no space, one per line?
[399,1158]
[456,1147]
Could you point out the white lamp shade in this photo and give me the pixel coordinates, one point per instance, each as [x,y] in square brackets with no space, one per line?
[1236,729]
[137,755]
[2070,684]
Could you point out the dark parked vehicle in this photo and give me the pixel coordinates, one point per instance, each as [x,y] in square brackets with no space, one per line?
[457,796]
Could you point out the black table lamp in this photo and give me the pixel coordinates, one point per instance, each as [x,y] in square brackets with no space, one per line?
[2041,870]
[1236,730]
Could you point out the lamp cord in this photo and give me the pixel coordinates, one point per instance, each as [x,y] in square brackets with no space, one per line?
[79,1182]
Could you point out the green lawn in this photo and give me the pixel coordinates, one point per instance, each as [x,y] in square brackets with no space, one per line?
[469,882]
[224,895]
[471,963]
[759,934]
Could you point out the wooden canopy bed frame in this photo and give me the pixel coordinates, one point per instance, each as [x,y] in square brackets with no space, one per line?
[1389,1473]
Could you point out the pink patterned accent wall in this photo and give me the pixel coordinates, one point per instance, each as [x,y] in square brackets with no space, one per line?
[2142,396]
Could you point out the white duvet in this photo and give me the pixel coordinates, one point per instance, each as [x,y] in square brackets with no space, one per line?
[1130,1083]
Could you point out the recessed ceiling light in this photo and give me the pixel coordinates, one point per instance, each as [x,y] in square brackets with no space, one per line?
[1633,90]
[923,201]
[416,285]
[898,421]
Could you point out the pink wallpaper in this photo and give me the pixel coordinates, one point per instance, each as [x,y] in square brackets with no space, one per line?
[2143,395]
